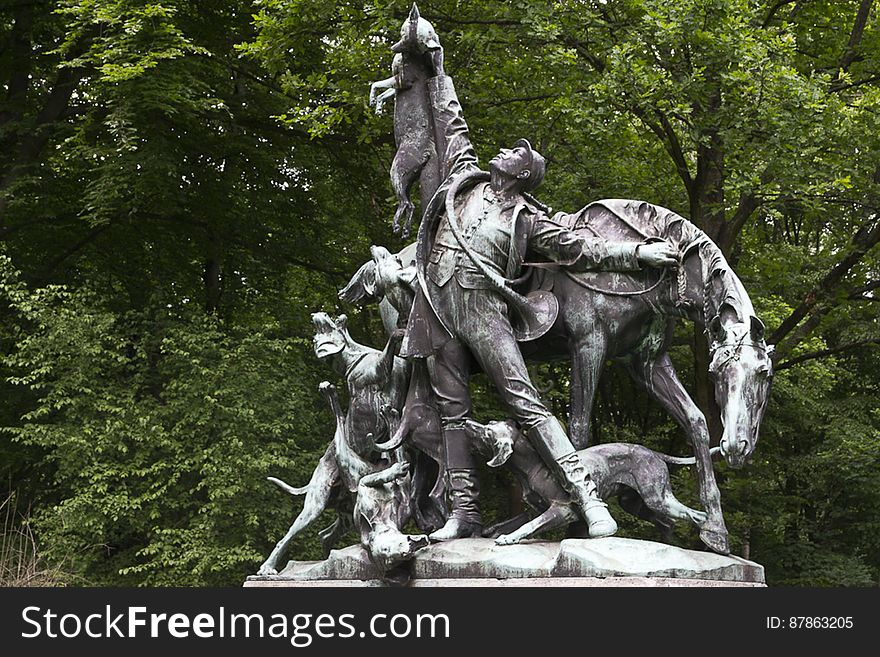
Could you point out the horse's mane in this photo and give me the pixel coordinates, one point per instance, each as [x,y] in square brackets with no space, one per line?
[624,220]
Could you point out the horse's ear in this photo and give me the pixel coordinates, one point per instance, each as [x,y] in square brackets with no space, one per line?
[716,329]
[757,329]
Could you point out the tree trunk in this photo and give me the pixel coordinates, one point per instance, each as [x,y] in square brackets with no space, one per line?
[213,275]
[707,212]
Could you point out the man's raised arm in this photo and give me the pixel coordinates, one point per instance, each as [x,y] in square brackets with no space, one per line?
[450,129]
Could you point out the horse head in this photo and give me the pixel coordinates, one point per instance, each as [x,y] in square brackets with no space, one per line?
[742,370]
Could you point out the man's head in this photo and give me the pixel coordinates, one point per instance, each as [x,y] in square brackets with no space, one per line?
[521,162]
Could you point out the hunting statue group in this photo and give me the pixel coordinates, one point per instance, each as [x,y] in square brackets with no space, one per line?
[494,279]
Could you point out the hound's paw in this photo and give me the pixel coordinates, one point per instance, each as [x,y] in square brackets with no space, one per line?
[507,539]
[400,469]
[266,569]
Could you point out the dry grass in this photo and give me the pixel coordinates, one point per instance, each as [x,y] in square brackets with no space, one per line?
[20,563]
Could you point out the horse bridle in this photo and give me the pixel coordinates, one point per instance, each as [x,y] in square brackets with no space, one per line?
[736,351]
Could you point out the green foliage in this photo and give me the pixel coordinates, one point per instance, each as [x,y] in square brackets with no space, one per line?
[161,427]
[183,183]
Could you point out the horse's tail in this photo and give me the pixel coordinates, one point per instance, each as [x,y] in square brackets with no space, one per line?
[686,460]
[288,488]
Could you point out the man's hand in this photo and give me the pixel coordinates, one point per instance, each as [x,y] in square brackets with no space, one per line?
[657,254]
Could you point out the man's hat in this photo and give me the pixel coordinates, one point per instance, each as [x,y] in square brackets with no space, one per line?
[536,165]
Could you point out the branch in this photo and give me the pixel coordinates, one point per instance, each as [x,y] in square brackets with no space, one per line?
[446,18]
[862,242]
[770,14]
[855,37]
[670,142]
[528,99]
[837,87]
[747,205]
[825,352]
[858,292]
[78,246]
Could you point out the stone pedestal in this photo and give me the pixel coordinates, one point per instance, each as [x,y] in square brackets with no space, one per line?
[572,562]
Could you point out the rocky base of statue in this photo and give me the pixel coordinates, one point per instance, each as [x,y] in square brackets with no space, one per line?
[571,562]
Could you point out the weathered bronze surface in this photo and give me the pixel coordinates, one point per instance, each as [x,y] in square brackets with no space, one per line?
[496,278]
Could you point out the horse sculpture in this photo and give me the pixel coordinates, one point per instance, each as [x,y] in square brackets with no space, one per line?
[626,316]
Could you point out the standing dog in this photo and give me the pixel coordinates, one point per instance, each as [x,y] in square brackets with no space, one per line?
[385,277]
[375,381]
[638,476]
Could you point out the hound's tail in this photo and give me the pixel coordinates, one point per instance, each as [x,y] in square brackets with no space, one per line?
[287,487]
[687,460]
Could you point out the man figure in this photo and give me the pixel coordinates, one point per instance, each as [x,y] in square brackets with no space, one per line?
[459,316]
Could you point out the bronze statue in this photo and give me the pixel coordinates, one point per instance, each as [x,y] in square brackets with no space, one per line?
[460,315]
[466,259]
[495,278]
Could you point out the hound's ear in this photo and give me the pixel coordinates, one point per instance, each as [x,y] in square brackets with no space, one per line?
[362,284]
[771,350]
[409,275]
[716,329]
[414,13]
[757,329]
[342,322]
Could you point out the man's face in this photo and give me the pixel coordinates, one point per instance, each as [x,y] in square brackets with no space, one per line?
[510,162]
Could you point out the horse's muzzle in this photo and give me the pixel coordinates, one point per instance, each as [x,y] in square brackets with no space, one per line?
[737,456]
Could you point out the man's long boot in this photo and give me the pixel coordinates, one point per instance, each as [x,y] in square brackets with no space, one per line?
[464,519]
[550,437]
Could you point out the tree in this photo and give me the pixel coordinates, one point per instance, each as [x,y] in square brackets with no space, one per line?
[182,184]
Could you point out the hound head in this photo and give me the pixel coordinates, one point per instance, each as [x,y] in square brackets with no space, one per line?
[495,438]
[331,335]
[389,547]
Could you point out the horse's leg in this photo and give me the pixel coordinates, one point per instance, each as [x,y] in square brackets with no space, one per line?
[665,387]
[587,359]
